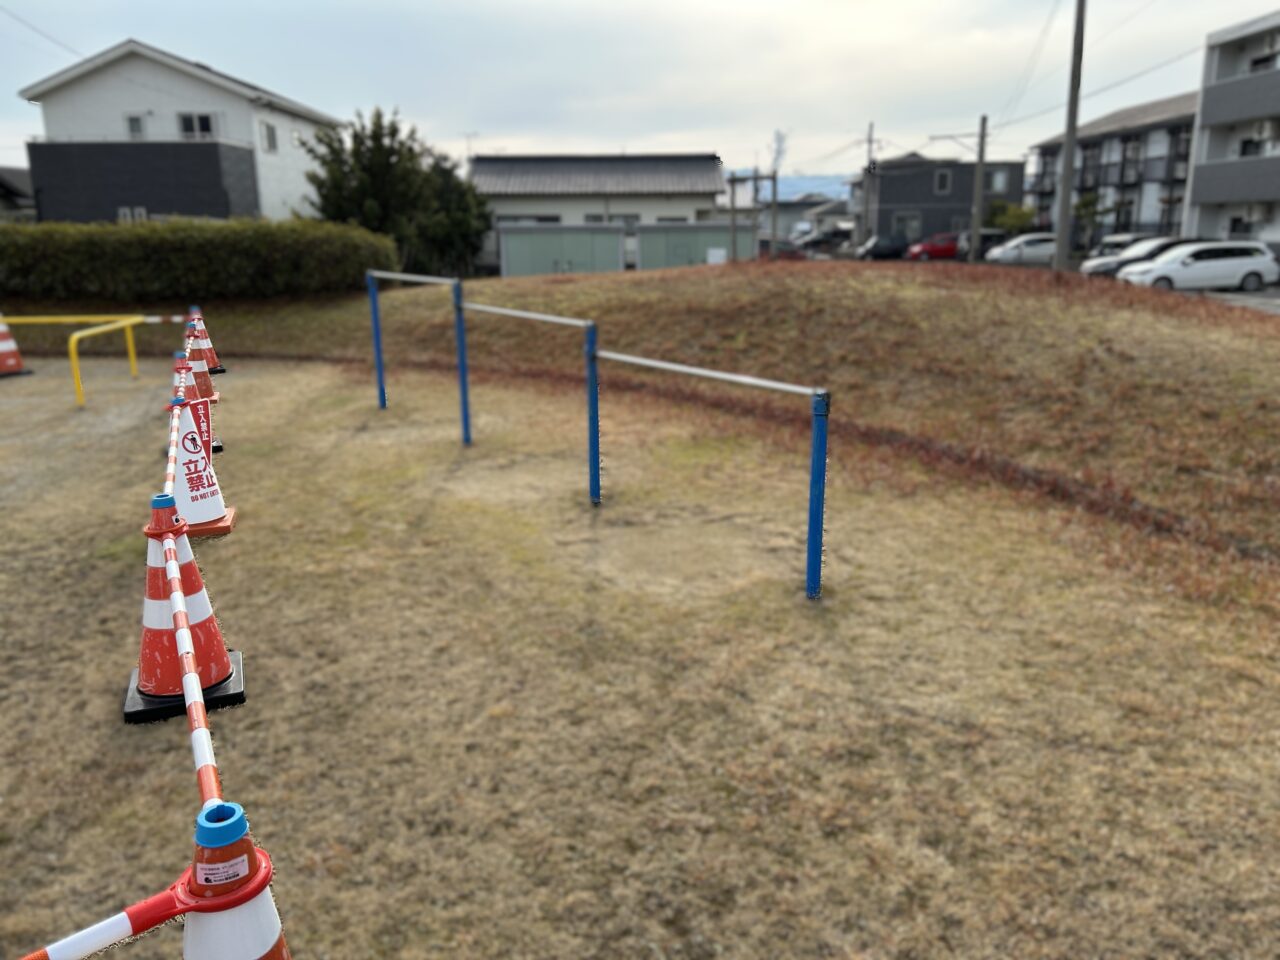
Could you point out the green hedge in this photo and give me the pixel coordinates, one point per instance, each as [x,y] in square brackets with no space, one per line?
[187,260]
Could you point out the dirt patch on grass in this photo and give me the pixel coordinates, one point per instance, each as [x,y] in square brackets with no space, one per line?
[486,719]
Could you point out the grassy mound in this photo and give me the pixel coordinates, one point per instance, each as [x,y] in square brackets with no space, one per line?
[1128,395]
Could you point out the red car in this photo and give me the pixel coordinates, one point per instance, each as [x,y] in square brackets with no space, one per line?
[941,246]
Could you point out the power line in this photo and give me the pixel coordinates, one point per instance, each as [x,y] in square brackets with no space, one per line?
[34,29]
[1103,89]
[1020,90]
[1105,35]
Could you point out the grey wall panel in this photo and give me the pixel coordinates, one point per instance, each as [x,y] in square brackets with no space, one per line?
[91,181]
[1248,180]
[1255,97]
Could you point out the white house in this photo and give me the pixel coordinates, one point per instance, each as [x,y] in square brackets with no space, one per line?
[135,132]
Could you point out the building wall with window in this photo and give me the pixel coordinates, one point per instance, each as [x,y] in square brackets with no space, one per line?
[281,163]
[132,102]
[1130,169]
[915,196]
[1234,188]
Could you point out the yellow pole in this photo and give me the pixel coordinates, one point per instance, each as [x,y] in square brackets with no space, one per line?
[73,348]
[132,350]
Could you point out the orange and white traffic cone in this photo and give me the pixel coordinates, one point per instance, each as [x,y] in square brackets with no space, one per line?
[181,374]
[199,383]
[200,500]
[224,897]
[230,872]
[10,357]
[206,344]
[155,686]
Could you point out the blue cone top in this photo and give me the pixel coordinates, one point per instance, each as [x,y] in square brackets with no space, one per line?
[179,354]
[193,309]
[177,401]
[221,824]
[163,500]
[191,324]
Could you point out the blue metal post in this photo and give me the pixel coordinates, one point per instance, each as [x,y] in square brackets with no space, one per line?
[372,283]
[817,494]
[460,336]
[593,416]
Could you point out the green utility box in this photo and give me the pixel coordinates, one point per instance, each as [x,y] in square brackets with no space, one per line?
[685,244]
[528,249]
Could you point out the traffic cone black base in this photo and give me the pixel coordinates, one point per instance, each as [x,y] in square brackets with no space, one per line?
[141,708]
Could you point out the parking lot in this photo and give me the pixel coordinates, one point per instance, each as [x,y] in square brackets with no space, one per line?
[1266,300]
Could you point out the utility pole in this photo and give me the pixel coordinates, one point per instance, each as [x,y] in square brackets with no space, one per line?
[755,208]
[773,226]
[979,183]
[1062,239]
[866,185]
[733,219]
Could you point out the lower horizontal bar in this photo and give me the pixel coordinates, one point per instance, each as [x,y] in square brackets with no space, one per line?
[408,277]
[738,378]
[527,315]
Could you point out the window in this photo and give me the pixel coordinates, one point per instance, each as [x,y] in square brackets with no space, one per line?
[942,182]
[998,181]
[297,138]
[1262,64]
[136,130]
[593,218]
[196,126]
[673,219]
[526,218]
[269,143]
[124,214]
[628,220]
[1240,227]
[139,214]
[1250,147]
[907,224]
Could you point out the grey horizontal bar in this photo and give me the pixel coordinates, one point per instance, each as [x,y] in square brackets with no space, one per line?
[526,315]
[409,277]
[738,378]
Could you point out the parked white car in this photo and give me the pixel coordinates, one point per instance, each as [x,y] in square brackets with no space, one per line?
[1219,264]
[1026,248]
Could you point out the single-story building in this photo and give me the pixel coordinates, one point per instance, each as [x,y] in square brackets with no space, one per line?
[583,190]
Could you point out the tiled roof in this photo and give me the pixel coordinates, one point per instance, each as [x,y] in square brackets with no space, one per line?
[567,175]
[1152,114]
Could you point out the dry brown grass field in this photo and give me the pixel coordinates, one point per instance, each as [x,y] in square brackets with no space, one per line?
[1118,396]
[488,720]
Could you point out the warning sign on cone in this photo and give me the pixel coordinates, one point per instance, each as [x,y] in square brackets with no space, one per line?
[200,500]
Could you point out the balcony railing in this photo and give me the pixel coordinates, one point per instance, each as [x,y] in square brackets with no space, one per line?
[1044,183]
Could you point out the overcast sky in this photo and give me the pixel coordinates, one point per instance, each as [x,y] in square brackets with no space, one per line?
[656,75]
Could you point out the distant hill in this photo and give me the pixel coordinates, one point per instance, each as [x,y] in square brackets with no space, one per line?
[797,185]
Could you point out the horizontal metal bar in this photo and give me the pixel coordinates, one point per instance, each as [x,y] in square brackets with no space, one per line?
[527,315]
[410,277]
[76,320]
[737,378]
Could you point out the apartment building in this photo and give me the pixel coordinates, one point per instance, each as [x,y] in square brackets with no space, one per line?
[1131,164]
[1235,172]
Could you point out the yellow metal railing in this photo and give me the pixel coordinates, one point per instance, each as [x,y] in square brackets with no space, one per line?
[113,322]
